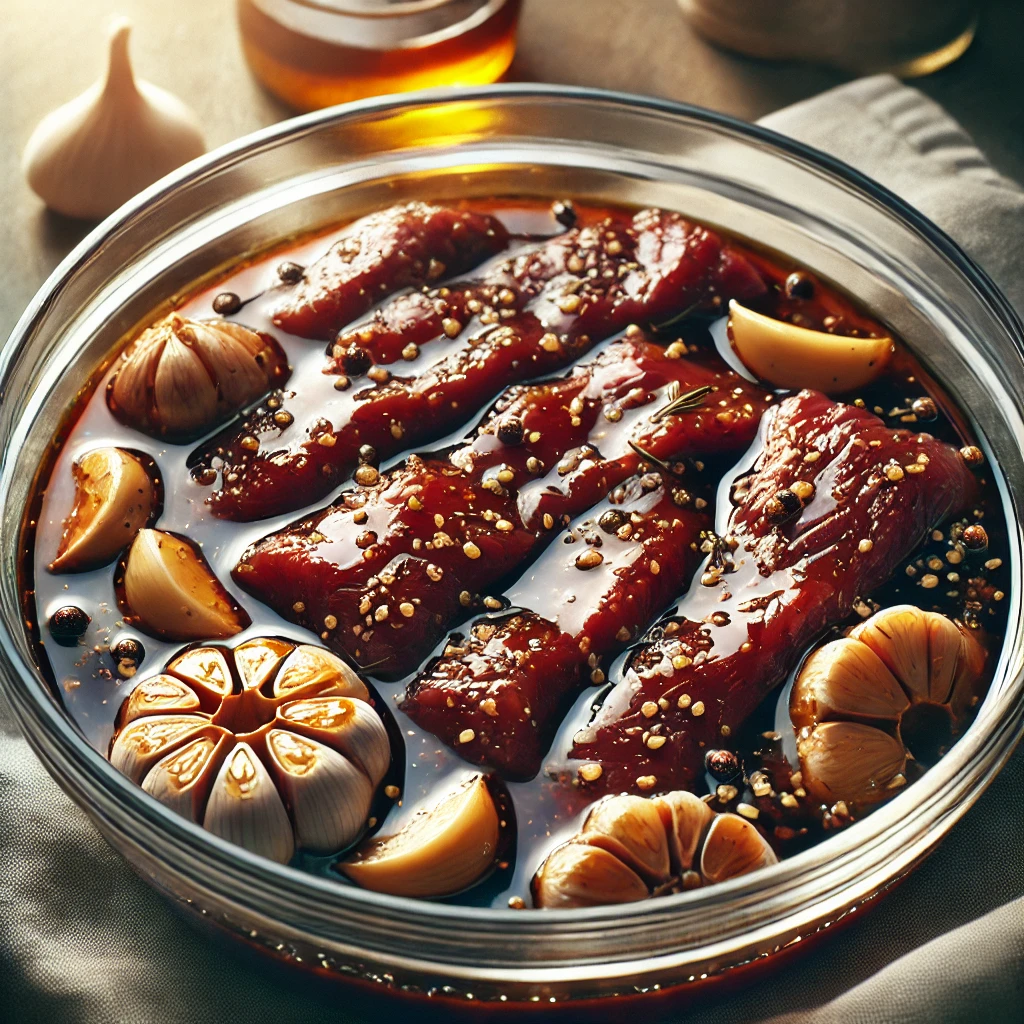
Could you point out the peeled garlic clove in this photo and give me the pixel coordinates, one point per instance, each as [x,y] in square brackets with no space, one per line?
[328,795]
[142,743]
[206,668]
[348,725]
[181,377]
[845,679]
[795,357]
[685,818]
[171,592]
[631,828]
[91,155]
[257,659]
[945,652]
[114,499]
[245,809]
[159,695]
[966,689]
[580,875]
[852,762]
[182,779]
[440,852]
[733,847]
[313,669]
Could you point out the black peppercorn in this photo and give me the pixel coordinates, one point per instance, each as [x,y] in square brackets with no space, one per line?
[924,408]
[67,625]
[564,212]
[782,506]
[799,285]
[127,655]
[722,765]
[510,431]
[227,303]
[290,273]
[974,537]
[612,520]
[355,360]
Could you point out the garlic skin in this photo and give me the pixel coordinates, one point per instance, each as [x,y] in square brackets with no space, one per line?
[86,158]
[442,851]
[272,768]
[632,848]
[114,499]
[181,378]
[171,592]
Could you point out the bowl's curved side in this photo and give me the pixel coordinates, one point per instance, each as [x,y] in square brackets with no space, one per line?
[527,140]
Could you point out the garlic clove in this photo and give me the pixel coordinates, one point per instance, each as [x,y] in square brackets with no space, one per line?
[314,669]
[440,852]
[580,875]
[257,659]
[733,847]
[945,652]
[348,725]
[181,377]
[86,158]
[159,695]
[245,809]
[631,828]
[852,762]
[182,779]
[965,692]
[329,796]
[845,679]
[171,592]
[142,743]
[685,818]
[206,668]
[899,636]
[114,499]
[795,357]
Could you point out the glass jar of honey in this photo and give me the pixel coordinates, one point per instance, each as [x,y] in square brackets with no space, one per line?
[314,53]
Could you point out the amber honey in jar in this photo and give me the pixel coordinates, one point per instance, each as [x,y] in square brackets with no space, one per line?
[314,53]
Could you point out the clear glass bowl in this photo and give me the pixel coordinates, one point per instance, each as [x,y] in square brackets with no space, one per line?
[525,140]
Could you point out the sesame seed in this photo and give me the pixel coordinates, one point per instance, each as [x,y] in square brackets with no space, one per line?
[894,473]
[589,559]
[467,736]
[591,772]
[929,580]
[504,525]
[655,567]
[788,800]
[381,614]
[993,563]
[550,343]
[451,327]
[698,709]
[407,609]
[684,701]
[649,709]
[646,782]
[330,622]
[656,742]
[299,607]
[748,811]
[366,476]
[865,546]
[471,550]
[803,489]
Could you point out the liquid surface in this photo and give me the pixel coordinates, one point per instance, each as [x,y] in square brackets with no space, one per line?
[939,575]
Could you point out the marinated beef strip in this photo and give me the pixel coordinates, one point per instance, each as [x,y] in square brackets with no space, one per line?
[533,315]
[869,494]
[497,695]
[390,568]
[401,247]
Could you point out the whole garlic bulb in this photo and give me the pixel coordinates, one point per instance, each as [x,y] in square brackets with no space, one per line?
[94,153]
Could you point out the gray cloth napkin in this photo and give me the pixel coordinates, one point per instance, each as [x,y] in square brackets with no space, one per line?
[84,941]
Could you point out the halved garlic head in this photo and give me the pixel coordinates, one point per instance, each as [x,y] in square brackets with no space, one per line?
[899,685]
[114,498]
[171,592]
[631,848]
[217,739]
[440,852]
[182,377]
[795,357]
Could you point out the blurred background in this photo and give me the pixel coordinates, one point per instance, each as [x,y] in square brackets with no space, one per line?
[53,49]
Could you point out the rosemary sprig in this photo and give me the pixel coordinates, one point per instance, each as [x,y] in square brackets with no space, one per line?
[685,402]
[672,321]
[652,459]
